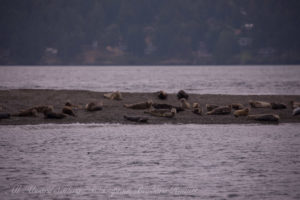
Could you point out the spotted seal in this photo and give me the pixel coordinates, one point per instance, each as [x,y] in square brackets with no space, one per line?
[162,95]
[114,96]
[259,104]
[295,104]
[139,106]
[184,104]
[197,109]
[68,110]
[94,106]
[182,94]
[49,114]
[136,119]
[241,112]
[221,110]
[265,117]
[162,112]
[277,106]
[296,111]
[166,106]
[210,107]
[237,106]
[31,112]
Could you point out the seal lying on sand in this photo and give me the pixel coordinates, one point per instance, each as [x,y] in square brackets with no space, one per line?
[184,104]
[42,108]
[166,106]
[182,94]
[68,110]
[139,106]
[295,104]
[49,114]
[136,119]
[265,117]
[242,112]
[31,112]
[221,110]
[70,104]
[276,106]
[296,111]
[94,106]
[162,95]
[4,116]
[197,109]
[162,112]
[259,104]
[237,106]
[210,107]
[114,96]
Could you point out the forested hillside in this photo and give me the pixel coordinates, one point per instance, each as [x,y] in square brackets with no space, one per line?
[101,32]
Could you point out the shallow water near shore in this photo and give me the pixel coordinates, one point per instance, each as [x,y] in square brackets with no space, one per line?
[113,161]
[280,80]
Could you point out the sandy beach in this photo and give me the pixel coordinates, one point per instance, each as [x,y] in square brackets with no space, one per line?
[113,111]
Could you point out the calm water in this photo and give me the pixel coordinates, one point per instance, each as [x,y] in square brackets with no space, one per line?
[150,162]
[208,80]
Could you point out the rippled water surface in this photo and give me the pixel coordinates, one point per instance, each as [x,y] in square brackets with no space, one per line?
[201,79]
[150,162]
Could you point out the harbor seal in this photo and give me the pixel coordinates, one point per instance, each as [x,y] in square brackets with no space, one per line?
[259,104]
[68,110]
[237,106]
[221,110]
[296,111]
[49,114]
[114,95]
[265,117]
[162,112]
[162,95]
[241,112]
[94,106]
[182,94]
[277,106]
[197,109]
[295,104]
[166,106]
[136,119]
[139,106]
[210,107]
[184,104]
[31,112]
[4,116]
[42,108]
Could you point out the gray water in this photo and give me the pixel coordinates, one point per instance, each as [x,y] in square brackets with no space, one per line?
[197,79]
[112,161]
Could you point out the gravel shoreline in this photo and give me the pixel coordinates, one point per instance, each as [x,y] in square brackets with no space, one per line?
[113,111]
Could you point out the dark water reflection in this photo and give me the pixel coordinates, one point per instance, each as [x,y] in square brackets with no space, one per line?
[150,162]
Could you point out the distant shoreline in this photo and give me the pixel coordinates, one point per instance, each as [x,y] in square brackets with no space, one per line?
[113,111]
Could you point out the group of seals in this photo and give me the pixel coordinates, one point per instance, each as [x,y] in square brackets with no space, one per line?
[160,109]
